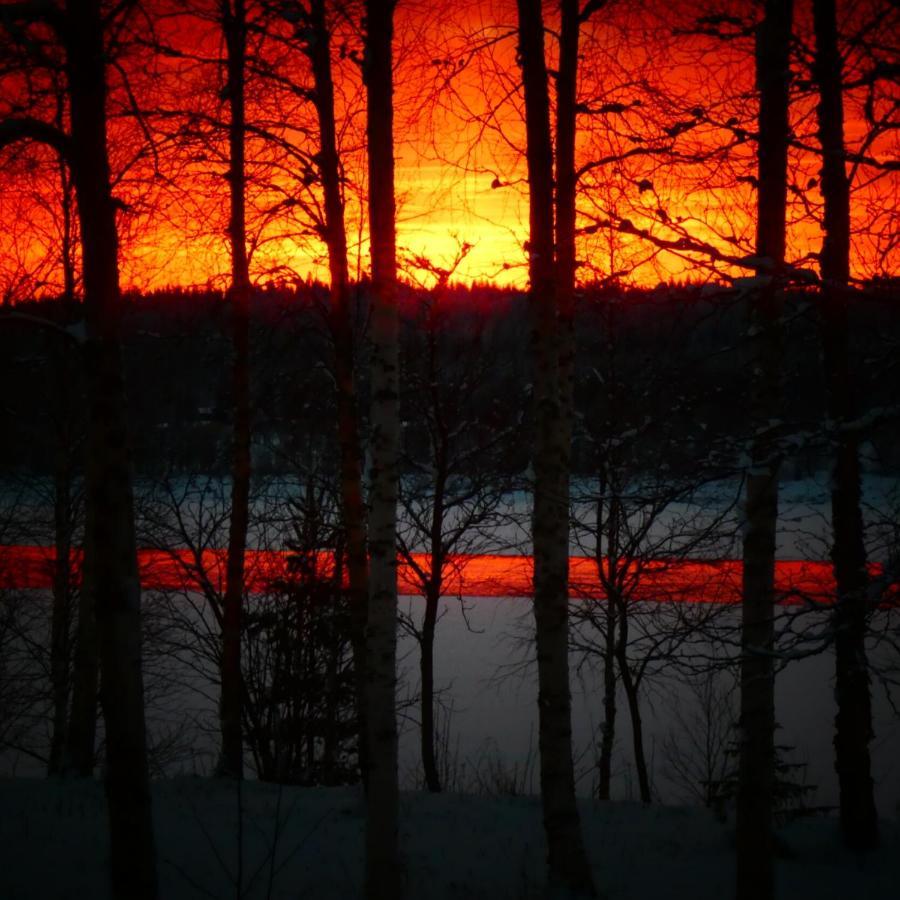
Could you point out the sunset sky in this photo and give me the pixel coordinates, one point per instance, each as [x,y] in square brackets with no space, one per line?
[670,117]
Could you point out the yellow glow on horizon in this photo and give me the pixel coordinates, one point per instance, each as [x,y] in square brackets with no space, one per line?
[459,163]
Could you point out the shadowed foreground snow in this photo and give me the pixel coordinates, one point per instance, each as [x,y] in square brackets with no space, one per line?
[54,845]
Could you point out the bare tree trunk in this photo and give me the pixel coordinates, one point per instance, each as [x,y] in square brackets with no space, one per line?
[756,779]
[81,731]
[440,449]
[382,877]
[329,739]
[67,238]
[620,643]
[568,867]
[353,511]
[111,541]
[607,569]
[426,671]
[631,698]
[853,723]
[231,759]
[566,185]
[63,513]
[76,754]
[61,615]
[608,732]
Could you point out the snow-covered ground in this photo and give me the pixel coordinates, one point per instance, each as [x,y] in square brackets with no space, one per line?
[307,843]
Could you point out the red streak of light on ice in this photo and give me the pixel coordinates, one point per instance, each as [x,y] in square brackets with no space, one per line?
[705,581]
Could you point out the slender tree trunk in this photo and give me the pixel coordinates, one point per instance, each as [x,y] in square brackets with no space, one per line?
[426,668]
[566,185]
[332,696]
[382,877]
[568,867]
[440,448]
[853,723]
[62,676]
[634,710]
[336,637]
[63,513]
[353,511]
[111,541]
[629,684]
[608,733]
[620,650]
[231,759]
[68,238]
[608,569]
[605,572]
[756,779]
[61,615]
[81,731]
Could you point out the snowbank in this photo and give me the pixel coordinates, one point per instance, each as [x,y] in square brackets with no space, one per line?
[307,843]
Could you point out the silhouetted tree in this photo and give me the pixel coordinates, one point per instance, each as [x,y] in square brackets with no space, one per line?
[382,871]
[317,46]
[637,515]
[81,28]
[233,19]
[453,484]
[300,704]
[755,875]
[853,724]
[551,293]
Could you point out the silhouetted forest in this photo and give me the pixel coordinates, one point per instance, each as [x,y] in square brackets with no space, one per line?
[680,358]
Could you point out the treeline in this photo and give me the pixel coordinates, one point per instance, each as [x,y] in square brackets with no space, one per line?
[678,352]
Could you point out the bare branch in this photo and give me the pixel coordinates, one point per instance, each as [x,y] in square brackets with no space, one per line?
[26,128]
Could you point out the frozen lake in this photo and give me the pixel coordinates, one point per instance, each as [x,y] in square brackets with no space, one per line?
[486,679]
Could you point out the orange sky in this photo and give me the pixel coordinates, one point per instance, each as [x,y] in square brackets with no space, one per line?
[458,131]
